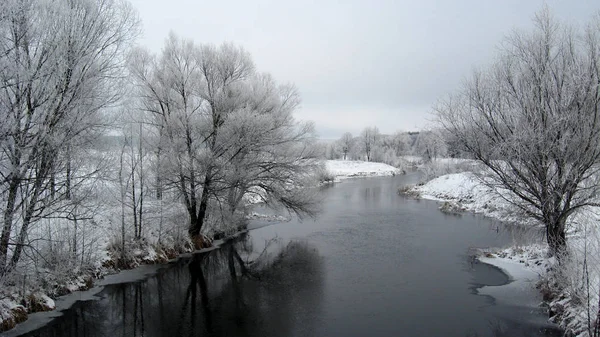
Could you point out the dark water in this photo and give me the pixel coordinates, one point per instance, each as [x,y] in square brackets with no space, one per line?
[373,264]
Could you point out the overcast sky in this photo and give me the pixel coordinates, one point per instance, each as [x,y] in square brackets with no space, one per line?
[357,63]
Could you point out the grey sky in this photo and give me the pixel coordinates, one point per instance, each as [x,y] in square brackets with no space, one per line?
[357,63]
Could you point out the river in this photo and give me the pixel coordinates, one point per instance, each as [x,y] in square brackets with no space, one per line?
[373,263]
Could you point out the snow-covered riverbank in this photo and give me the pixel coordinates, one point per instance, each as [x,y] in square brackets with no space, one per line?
[343,169]
[164,240]
[573,294]
[464,191]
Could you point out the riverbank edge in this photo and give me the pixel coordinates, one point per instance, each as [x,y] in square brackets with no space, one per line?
[15,312]
[19,313]
[340,170]
[532,257]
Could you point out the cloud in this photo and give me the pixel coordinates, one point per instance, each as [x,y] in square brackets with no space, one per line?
[355,62]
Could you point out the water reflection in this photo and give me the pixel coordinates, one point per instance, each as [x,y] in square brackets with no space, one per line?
[219,293]
[392,266]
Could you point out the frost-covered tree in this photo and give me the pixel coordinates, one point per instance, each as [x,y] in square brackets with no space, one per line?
[60,62]
[370,138]
[215,115]
[346,143]
[533,119]
[330,150]
[430,145]
[400,142]
[268,151]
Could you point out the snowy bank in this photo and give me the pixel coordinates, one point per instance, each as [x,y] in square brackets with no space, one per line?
[465,192]
[523,279]
[47,309]
[571,290]
[521,291]
[342,169]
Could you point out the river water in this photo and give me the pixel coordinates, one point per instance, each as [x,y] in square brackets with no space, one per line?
[373,263]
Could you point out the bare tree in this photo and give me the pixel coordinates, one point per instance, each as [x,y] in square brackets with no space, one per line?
[222,70]
[370,138]
[134,140]
[268,151]
[533,120]
[346,143]
[199,95]
[330,150]
[401,143]
[59,63]
[430,145]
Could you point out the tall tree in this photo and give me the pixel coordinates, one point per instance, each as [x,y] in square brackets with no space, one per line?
[59,64]
[401,143]
[346,143]
[208,100]
[533,120]
[370,138]
[430,144]
[267,150]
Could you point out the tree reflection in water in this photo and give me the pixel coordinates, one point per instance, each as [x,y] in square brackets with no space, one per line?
[218,293]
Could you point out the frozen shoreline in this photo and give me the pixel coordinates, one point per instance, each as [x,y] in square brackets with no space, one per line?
[344,169]
[37,320]
[522,281]
[527,263]
[340,169]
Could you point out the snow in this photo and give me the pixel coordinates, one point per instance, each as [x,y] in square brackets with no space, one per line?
[48,302]
[467,192]
[39,319]
[5,308]
[522,282]
[267,217]
[254,196]
[343,169]
[451,186]
[528,265]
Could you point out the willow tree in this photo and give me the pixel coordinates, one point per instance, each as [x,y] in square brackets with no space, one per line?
[533,120]
[206,101]
[268,152]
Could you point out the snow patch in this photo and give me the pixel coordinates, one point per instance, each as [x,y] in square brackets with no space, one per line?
[522,282]
[267,217]
[570,294]
[255,195]
[48,302]
[466,191]
[343,169]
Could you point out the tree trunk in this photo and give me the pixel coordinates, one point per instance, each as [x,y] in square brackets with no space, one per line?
[122,202]
[193,219]
[9,213]
[597,322]
[68,182]
[141,199]
[52,184]
[556,238]
[197,221]
[25,226]
[75,228]
[159,191]
[158,187]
